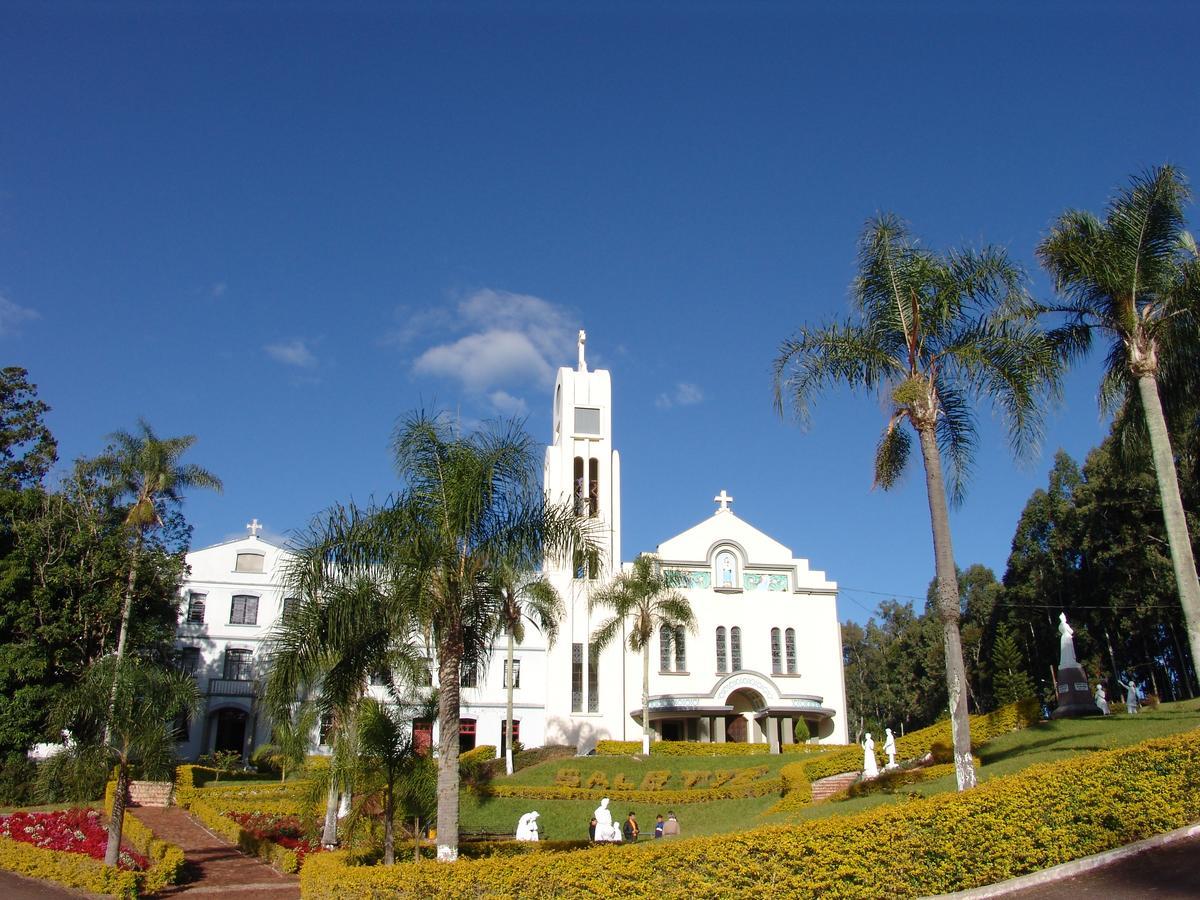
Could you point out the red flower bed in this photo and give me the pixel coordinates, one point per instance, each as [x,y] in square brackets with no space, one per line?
[286,831]
[71,830]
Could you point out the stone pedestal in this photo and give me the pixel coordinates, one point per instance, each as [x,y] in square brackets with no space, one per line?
[1074,697]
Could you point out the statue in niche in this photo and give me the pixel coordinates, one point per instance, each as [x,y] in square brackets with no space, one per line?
[725,570]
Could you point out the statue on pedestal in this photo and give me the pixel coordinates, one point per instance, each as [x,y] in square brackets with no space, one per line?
[1066,644]
[889,747]
[1071,683]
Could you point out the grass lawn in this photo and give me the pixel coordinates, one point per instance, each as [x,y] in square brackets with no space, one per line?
[1044,742]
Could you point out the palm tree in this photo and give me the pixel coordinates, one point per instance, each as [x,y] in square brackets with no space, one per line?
[523,597]
[147,469]
[643,600]
[1135,277]
[138,703]
[933,334]
[469,504]
[404,776]
[291,737]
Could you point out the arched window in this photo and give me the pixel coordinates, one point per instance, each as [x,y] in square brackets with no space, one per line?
[593,487]
[664,649]
[776,655]
[721,659]
[680,651]
[790,637]
[735,647]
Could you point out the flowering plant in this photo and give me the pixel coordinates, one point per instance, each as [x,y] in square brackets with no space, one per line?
[71,830]
[285,830]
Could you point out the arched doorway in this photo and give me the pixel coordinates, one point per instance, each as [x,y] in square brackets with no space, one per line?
[231,731]
[745,703]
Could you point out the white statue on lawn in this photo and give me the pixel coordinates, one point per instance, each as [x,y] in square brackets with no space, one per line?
[889,747]
[1131,696]
[527,829]
[1102,700]
[870,767]
[1066,646]
[605,829]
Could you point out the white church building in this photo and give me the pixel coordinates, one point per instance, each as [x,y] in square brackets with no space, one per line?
[766,650]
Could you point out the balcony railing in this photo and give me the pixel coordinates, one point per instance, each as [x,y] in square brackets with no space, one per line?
[229,687]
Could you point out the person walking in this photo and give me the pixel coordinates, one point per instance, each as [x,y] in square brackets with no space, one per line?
[658,826]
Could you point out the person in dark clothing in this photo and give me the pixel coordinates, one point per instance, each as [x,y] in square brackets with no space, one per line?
[592,829]
[658,826]
[631,828]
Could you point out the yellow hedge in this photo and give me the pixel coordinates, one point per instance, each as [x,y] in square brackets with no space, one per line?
[1049,814]
[694,748]
[83,872]
[214,818]
[732,790]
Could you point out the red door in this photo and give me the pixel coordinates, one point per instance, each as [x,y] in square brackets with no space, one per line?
[422,736]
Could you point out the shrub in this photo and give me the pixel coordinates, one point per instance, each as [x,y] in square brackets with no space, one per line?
[473,768]
[568,778]
[16,780]
[76,775]
[954,841]
[655,781]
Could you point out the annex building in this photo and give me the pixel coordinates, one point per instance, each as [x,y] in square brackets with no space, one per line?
[766,652]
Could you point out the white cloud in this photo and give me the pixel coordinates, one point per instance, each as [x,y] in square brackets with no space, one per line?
[218,290]
[684,394]
[508,405]
[13,316]
[510,340]
[294,352]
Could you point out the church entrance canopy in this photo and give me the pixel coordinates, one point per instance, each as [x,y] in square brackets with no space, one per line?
[743,706]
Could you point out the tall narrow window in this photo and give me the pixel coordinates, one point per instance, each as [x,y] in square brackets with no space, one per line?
[195,611]
[469,677]
[289,606]
[790,639]
[238,665]
[516,671]
[577,678]
[776,654]
[680,651]
[722,663]
[244,611]
[735,647]
[593,487]
[593,678]
[664,649]
[580,487]
[189,661]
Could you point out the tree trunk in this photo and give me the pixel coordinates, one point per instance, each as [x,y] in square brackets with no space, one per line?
[1177,530]
[329,832]
[449,674]
[123,637]
[948,609]
[646,699]
[116,817]
[416,839]
[389,841]
[508,751]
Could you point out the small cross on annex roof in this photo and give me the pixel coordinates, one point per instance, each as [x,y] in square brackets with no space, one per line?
[724,499]
[254,527]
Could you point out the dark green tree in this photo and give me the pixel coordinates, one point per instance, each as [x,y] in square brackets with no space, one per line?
[933,335]
[1010,681]
[27,448]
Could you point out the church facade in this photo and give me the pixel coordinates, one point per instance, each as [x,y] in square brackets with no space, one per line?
[766,651]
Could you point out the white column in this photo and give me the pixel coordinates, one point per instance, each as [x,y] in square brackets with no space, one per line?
[789,730]
[719,733]
[702,730]
[773,733]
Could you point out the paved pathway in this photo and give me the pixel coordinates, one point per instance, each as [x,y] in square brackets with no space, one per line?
[15,887]
[1162,873]
[214,866]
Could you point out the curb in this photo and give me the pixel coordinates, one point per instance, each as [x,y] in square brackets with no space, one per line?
[1073,868]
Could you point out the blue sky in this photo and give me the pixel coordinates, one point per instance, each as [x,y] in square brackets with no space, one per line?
[281,227]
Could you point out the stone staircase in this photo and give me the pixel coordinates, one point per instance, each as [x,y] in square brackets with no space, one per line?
[824,788]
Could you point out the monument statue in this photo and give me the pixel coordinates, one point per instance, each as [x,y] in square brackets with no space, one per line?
[1102,700]
[1131,696]
[1066,646]
[870,766]
[1071,683]
[889,747]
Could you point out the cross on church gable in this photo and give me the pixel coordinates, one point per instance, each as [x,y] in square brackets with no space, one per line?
[254,527]
[724,499]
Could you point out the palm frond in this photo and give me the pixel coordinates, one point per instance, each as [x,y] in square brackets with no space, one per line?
[891,456]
